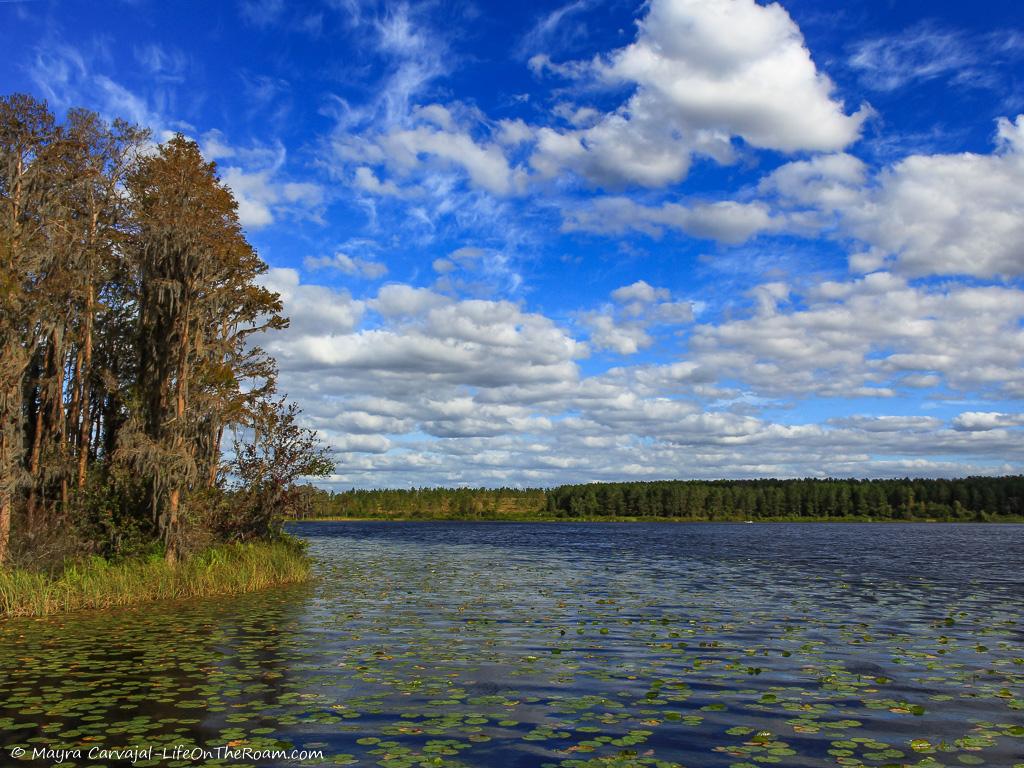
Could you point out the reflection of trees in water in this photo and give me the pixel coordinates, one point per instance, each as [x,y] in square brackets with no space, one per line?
[137,668]
[253,654]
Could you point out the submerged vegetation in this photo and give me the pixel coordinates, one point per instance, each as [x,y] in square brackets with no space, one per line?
[129,297]
[972,498]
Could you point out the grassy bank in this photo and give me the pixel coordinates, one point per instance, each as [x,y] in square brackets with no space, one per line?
[96,583]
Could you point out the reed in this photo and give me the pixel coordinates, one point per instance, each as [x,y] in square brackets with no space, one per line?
[95,583]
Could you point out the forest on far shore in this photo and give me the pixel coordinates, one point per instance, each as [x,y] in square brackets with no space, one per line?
[966,499]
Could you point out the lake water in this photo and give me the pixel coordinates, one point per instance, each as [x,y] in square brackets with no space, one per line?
[524,645]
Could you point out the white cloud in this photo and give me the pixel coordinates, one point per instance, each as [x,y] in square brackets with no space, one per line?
[552,27]
[70,77]
[889,423]
[400,300]
[424,388]
[475,271]
[983,421]
[623,328]
[624,338]
[262,194]
[725,221]
[859,338]
[349,265]
[640,291]
[938,214]
[366,180]
[920,53]
[162,63]
[514,132]
[313,308]
[927,51]
[827,182]
[951,214]
[485,164]
[705,71]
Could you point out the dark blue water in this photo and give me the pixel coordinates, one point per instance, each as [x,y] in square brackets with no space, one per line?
[913,632]
[526,645]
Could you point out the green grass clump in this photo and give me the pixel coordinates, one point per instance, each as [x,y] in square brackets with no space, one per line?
[97,583]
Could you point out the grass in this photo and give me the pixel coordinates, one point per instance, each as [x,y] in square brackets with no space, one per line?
[96,583]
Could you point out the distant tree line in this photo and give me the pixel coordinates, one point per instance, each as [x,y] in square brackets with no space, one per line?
[128,296]
[427,503]
[971,498]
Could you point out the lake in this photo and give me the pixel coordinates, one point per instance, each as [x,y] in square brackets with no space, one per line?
[505,645]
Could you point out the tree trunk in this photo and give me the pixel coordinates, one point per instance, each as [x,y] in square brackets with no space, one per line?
[170,533]
[180,394]
[86,423]
[36,407]
[5,524]
[10,440]
[211,479]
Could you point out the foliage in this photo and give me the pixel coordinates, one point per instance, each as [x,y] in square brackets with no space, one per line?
[129,301]
[424,503]
[270,455]
[972,498]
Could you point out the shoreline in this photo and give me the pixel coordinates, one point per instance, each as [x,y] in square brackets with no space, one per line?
[672,520]
[97,584]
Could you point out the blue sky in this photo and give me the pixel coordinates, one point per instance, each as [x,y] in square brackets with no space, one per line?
[529,244]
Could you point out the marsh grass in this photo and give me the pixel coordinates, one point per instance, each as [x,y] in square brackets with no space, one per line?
[96,583]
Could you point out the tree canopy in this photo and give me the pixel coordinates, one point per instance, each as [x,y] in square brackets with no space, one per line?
[129,299]
[972,498]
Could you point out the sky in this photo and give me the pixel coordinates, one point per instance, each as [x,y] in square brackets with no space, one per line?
[527,244]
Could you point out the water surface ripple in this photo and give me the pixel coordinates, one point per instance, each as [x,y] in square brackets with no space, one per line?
[525,645]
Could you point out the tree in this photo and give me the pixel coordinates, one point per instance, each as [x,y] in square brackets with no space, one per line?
[129,301]
[271,453]
[27,130]
[197,303]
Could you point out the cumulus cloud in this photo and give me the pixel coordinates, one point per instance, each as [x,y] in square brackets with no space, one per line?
[484,163]
[262,197]
[859,338]
[313,308]
[624,338]
[623,326]
[983,421]
[827,182]
[927,214]
[428,388]
[640,291]
[951,214]
[704,71]
[726,221]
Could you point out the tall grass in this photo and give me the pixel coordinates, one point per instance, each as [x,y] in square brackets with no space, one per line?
[97,583]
